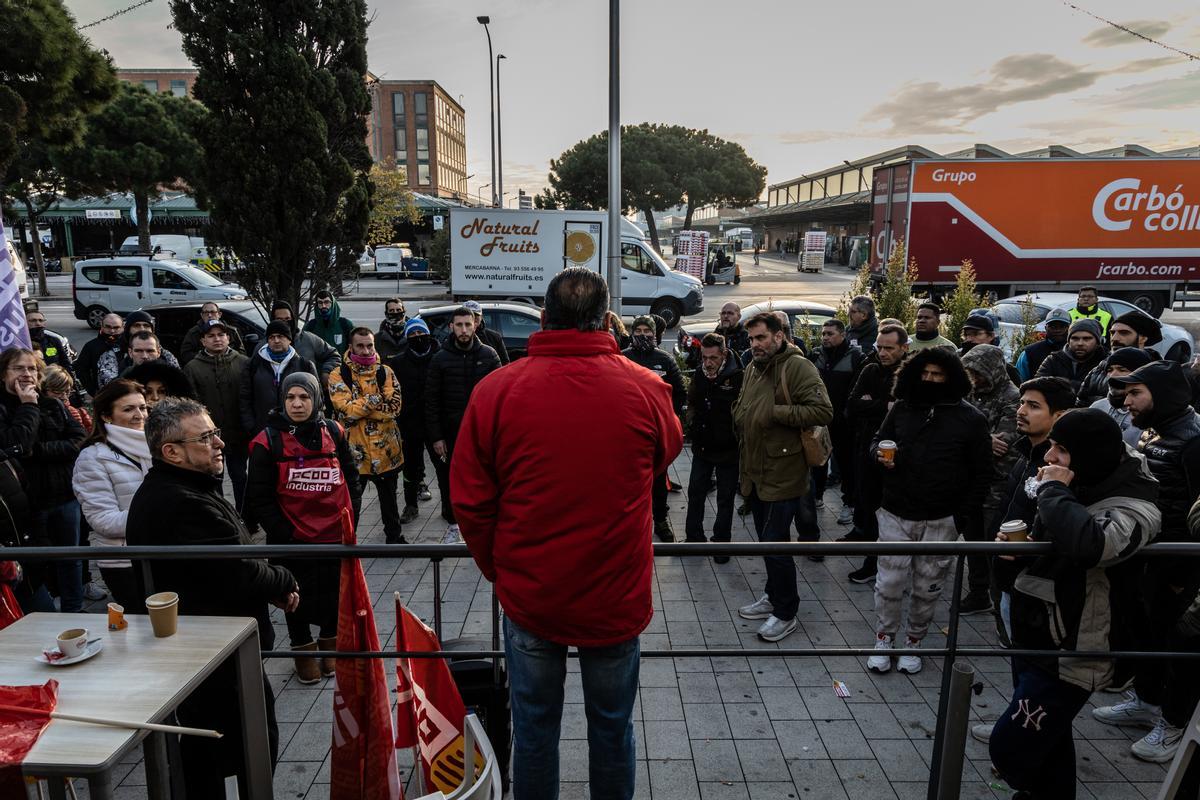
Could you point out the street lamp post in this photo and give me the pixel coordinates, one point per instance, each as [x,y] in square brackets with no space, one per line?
[614,155]
[484,20]
[479,193]
[499,135]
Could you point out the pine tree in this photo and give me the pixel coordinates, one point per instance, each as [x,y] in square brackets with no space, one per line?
[961,302]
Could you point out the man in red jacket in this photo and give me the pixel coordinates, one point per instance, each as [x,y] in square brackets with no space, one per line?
[551,482]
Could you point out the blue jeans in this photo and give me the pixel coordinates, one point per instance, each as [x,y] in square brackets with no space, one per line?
[772,523]
[537,670]
[60,525]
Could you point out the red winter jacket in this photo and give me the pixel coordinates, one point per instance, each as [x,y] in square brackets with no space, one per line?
[550,482]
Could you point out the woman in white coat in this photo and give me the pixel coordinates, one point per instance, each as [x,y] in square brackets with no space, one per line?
[108,472]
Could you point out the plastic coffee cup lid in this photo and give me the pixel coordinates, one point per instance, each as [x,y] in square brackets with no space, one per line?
[887,443]
[1013,525]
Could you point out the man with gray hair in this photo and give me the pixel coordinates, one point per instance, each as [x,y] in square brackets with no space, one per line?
[179,503]
[864,326]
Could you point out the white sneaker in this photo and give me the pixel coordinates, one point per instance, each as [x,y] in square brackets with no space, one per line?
[775,629]
[1132,711]
[883,662]
[453,536]
[95,591]
[759,609]
[909,664]
[982,732]
[1159,745]
[846,516]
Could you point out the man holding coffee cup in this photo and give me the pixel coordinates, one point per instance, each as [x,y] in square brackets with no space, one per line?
[180,503]
[1096,503]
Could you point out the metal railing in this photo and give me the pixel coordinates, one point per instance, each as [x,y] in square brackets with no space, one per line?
[956,684]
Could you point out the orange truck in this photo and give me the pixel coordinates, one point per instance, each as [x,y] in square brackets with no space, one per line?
[1129,226]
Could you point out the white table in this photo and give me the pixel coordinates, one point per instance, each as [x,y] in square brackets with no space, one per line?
[136,677]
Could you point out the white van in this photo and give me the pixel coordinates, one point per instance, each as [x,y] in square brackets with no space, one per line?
[389,260]
[172,245]
[123,284]
[20,277]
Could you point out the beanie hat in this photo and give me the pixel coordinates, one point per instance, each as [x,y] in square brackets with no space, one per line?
[280,327]
[643,319]
[1130,358]
[1144,325]
[416,324]
[139,316]
[473,306]
[980,323]
[1093,439]
[1089,326]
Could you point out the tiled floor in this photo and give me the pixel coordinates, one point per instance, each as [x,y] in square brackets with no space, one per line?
[715,728]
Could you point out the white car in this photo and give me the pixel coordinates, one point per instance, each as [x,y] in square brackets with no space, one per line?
[1176,345]
[800,312]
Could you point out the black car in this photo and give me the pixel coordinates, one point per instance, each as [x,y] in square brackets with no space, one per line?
[172,322]
[515,322]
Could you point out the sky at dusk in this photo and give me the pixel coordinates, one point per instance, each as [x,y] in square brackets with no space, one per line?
[800,85]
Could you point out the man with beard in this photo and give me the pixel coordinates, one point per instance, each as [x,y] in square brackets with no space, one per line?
[934,480]
[454,371]
[1136,330]
[109,339]
[782,394]
[731,329]
[927,326]
[411,366]
[1084,350]
[838,362]
[114,362]
[1087,306]
[1165,690]
[489,337]
[864,325]
[1057,323]
[1119,364]
[390,341]
[994,395]
[644,352]
[310,346]
[715,387]
[867,405]
[192,344]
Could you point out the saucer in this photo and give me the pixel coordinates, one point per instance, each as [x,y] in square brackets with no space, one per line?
[91,650]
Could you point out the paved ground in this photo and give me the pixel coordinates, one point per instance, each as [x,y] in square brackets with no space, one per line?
[738,728]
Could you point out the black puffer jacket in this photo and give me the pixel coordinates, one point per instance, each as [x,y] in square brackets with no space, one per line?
[49,438]
[1063,364]
[710,412]
[494,340]
[876,382]
[176,507]
[1171,444]
[839,368]
[1038,352]
[453,374]
[1016,503]
[944,450]
[736,339]
[663,365]
[412,370]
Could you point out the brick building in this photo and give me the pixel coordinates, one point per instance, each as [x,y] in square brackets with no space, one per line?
[424,129]
[178,82]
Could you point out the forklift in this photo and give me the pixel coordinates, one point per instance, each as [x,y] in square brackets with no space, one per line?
[721,265]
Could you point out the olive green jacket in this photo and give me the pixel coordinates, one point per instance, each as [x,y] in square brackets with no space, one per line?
[769,429]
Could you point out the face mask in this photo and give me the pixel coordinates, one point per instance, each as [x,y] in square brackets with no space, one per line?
[36,334]
[418,344]
[395,316]
[363,361]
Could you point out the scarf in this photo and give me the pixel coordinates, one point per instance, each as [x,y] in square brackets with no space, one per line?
[130,442]
[277,361]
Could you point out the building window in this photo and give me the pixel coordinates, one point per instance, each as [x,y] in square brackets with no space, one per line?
[421,118]
[179,88]
[150,86]
[399,125]
[834,185]
[804,192]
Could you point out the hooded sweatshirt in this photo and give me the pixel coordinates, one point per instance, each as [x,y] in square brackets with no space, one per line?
[997,399]
[331,327]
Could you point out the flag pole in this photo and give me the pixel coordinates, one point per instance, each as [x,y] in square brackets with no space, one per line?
[418,768]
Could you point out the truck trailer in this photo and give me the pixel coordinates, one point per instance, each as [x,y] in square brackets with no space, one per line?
[1128,226]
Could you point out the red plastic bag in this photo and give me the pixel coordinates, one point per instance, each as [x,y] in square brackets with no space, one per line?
[20,731]
[10,610]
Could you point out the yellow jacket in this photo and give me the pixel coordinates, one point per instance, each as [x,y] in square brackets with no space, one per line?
[368,411]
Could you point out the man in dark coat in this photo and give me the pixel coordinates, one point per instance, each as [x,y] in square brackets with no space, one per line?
[1084,350]
[713,391]
[1132,330]
[411,366]
[933,481]
[838,362]
[864,325]
[109,338]
[389,340]
[322,354]
[489,337]
[1058,322]
[453,373]
[264,373]
[180,503]
[192,345]
[737,341]
[645,352]
[216,374]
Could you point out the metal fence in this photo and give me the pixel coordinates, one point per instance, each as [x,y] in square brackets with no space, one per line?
[957,679]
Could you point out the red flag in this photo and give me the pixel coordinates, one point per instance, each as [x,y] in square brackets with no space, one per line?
[19,732]
[363,766]
[429,710]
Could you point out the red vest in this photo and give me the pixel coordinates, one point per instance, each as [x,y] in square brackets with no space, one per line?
[310,487]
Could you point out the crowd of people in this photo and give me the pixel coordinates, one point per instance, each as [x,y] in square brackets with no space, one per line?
[1089,441]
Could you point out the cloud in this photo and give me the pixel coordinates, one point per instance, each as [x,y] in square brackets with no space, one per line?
[1173,93]
[1147,64]
[1109,36]
[928,107]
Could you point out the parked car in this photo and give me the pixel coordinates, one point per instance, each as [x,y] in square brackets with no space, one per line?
[1176,345]
[126,283]
[801,313]
[172,322]
[515,322]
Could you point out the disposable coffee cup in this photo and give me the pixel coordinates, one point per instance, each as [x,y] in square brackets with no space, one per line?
[164,613]
[1016,530]
[887,449]
[73,642]
[116,617]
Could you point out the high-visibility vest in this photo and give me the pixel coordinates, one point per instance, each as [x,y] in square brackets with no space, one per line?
[1100,315]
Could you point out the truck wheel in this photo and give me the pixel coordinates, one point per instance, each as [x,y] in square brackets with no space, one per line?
[1150,302]
[669,310]
[737,279]
[1180,353]
[95,316]
[710,281]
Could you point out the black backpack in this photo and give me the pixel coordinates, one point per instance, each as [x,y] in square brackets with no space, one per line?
[380,374]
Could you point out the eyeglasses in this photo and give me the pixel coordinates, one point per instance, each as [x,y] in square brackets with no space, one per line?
[205,438]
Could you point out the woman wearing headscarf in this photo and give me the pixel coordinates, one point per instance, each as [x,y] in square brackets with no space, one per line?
[301,477]
[108,472]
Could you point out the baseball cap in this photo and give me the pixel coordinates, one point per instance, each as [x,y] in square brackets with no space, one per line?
[1058,316]
[979,323]
[209,324]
